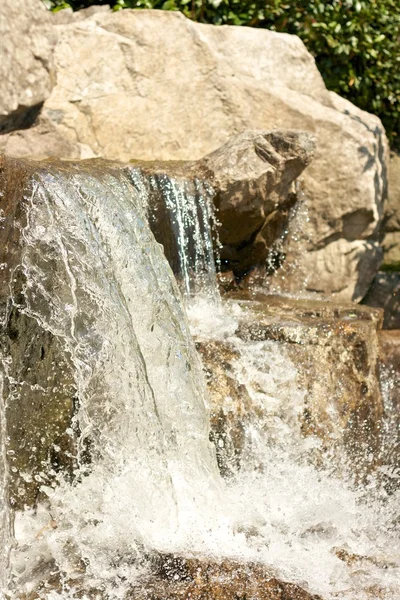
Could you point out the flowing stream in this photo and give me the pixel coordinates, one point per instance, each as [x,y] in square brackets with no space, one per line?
[95,279]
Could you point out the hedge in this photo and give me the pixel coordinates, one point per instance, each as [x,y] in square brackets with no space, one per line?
[356,43]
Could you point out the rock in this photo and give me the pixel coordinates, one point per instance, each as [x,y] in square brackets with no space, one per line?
[392,208]
[385,293]
[138,101]
[179,578]
[26,68]
[328,271]
[391,229]
[230,403]
[391,250]
[67,15]
[335,351]
[225,580]
[253,176]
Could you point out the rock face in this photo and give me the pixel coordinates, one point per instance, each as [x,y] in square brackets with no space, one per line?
[138,101]
[27,39]
[335,351]
[251,182]
[391,241]
[253,176]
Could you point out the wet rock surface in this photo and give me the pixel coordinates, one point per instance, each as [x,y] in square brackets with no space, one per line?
[178,578]
[335,351]
[389,358]
[38,385]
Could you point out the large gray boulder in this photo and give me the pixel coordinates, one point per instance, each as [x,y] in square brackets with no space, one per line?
[27,38]
[120,94]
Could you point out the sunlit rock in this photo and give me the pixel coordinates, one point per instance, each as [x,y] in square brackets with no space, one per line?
[27,40]
[253,175]
[120,95]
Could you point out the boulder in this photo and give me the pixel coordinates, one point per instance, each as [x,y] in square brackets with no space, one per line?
[27,40]
[334,350]
[139,101]
[40,141]
[251,181]
[253,175]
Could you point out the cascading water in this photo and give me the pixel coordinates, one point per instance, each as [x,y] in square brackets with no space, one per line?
[97,280]
[94,277]
[188,210]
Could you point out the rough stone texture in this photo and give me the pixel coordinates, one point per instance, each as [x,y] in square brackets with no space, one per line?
[40,141]
[391,240]
[335,349]
[253,175]
[67,15]
[26,45]
[178,578]
[139,101]
[385,293]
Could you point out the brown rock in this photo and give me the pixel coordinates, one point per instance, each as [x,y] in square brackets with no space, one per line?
[40,141]
[391,228]
[253,175]
[38,383]
[178,578]
[335,350]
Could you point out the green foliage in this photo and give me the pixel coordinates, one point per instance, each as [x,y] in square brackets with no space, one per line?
[356,43]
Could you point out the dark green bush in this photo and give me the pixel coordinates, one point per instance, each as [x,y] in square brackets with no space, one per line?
[356,43]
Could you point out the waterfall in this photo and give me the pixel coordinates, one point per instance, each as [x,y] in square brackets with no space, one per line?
[95,278]
[143,478]
[184,207]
